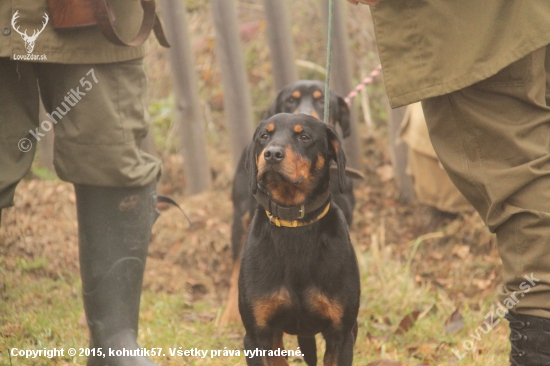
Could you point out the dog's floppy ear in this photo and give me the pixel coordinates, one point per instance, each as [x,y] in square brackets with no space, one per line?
[251,167]
[342,116]
[277,105]
[335,148]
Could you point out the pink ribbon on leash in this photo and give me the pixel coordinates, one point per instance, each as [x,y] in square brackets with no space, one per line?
[366,81]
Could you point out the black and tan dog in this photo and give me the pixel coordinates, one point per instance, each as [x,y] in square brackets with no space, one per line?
[307,97]
[299,272]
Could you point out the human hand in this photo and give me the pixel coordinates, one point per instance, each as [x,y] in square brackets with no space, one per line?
[366,2]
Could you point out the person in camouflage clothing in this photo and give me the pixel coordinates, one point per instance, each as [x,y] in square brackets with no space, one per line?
[94,93]
[482,72]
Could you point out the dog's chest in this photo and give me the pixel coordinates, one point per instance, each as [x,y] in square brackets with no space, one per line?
[297,283]
[304,312]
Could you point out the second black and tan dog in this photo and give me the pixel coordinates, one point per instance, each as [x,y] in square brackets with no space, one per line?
[299,272]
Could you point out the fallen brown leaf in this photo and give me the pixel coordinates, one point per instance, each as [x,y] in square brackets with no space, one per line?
[454,323]
[407,322]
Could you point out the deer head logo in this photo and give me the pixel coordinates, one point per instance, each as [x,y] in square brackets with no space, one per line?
[29,40]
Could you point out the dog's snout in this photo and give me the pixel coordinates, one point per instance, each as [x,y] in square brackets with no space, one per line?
[305,109]
[274,154]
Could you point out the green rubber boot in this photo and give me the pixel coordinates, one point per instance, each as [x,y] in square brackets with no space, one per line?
[114,229]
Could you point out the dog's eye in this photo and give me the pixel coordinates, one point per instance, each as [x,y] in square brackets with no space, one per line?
[304,137]
[291,100]
[264,136]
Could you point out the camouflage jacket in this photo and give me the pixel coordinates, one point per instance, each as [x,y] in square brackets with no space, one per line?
[434,47]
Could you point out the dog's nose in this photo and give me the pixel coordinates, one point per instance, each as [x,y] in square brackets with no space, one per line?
[274,154]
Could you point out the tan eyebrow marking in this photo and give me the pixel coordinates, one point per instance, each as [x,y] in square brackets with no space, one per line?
[317,94]
[296,94]
[298,129]
[320,162]
[271,127]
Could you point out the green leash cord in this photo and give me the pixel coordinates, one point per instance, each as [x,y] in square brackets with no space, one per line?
[329,59]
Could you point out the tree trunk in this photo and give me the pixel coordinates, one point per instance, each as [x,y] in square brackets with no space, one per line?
[341,76]
[399,154]
[188,113]
[236,92]
[281,44]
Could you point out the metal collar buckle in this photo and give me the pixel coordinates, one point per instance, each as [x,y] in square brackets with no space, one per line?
[302,212]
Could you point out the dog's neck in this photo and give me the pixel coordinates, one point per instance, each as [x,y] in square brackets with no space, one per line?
[310,211]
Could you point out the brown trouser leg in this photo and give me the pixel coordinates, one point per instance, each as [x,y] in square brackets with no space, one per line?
[493,138]
[19,114]
[99,122]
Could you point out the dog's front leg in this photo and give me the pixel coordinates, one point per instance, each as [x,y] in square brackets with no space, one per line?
[258,346]
[308,347]
[339,349]
[253,350]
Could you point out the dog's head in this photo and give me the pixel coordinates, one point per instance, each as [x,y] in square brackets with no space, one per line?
[290,155]
[308,97]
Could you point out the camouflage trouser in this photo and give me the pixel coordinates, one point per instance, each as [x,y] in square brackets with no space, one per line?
[493,138]
[99,120]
